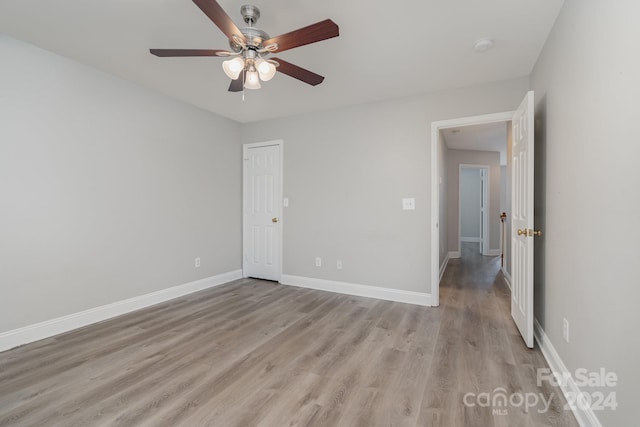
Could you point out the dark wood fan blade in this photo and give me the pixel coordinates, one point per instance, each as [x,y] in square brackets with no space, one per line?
[299,73]
[237,84]
[185,52]
[313,33]
[216,13]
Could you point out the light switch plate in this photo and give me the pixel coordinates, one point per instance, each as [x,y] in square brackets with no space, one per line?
[409,204]
[285,202]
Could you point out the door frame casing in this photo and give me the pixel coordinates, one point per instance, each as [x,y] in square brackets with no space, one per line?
[436,127]
[245,234]
[484,200]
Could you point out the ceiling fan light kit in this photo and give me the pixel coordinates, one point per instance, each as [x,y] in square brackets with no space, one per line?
[252,81]
[233,67]
[250,46]
[266,69]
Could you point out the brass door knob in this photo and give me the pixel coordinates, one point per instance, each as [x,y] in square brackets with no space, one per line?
[274,220]
[529,232]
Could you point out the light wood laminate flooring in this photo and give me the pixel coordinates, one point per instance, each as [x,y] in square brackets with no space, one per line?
[255,353]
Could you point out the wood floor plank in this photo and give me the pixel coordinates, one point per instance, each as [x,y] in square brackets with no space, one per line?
[255,353]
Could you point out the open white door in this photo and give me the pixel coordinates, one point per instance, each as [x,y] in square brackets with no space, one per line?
[262,206]
[522,223]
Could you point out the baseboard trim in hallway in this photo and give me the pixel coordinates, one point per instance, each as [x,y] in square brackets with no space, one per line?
[376,292]
[49,328]
[585,417]
[507,277]
[443,267]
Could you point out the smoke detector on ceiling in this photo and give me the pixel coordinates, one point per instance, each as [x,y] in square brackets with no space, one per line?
[483,44]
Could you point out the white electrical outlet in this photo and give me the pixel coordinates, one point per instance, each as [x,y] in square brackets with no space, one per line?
[197,262]
[318,262]
[339,264]
[565,329]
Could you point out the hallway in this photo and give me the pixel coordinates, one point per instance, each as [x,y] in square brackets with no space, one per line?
[479,350]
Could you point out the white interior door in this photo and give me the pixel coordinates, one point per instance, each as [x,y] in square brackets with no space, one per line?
[262,205]
[522,222]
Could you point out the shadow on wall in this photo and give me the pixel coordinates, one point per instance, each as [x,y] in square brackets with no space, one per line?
[540,208]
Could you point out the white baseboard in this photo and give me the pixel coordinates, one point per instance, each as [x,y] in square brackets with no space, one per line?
[507,277]
[443,266]
[494,252]
[397,295]
[585,417]
[454,254]
[471,239]
[49,328]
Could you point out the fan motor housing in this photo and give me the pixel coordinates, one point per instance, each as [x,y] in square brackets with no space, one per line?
[255,37]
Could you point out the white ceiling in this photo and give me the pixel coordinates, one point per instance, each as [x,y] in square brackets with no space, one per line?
[485,137]
[385,49]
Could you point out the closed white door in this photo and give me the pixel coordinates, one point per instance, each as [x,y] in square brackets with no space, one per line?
[262,206]
[522,222]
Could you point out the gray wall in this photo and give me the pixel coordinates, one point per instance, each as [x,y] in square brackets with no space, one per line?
[503,188]
[470,202]
[346,171]
[587,174]
[504,199]
[108,190]
[442,205]
[470,157]
[506,202]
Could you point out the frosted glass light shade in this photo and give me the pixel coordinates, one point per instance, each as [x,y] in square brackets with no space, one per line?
[252,81]
[266,69]
[233,67]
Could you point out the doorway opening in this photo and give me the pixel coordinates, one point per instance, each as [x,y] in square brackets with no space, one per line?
[521,164]
[440,237]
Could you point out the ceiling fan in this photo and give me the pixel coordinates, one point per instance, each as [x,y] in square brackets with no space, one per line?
[250,46]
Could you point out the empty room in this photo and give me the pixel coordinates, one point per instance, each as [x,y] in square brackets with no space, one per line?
[277,213]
